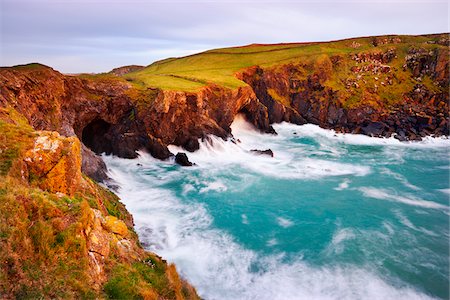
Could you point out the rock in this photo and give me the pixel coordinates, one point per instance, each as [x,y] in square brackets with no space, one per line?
[55,163]
[126,69]
[182,159]
[374,129]
[191,145]
[268,152]
[92,165]
[157,148]
[116,226]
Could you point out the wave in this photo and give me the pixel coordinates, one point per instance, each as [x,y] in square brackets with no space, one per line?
[288,129]
[285,223]
[217,265]
[405,221]
[287,163]
[172,220]
[400,178]
[390,195]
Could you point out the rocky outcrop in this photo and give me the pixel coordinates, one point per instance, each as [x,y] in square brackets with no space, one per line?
[126,69]
[182,159]
[381,91]
[105,234]
[63,235]
[55,163]
[100,113]
[290,95]
[267,152]
[181,118]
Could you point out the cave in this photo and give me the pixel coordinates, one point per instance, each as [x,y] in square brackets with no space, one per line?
[96,136]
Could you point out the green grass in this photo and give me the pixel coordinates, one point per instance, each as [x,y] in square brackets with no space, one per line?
[219,66]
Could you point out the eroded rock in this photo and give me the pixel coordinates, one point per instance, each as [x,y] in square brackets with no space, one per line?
[182,159]
[55,162]
[268,152]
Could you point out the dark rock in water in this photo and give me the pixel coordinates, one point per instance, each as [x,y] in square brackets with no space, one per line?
[182,159]
[401,136]
[268,152]
[374,129]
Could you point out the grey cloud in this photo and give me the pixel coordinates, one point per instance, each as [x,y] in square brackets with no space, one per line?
[76,36]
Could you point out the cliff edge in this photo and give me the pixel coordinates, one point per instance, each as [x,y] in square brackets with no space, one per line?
[64,236]
[61,234]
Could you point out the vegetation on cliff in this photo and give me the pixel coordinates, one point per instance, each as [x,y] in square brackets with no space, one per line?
[61,234]
[356,62]
[382,86]
[64,236]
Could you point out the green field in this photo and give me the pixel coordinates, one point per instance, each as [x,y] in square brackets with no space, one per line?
[219,66]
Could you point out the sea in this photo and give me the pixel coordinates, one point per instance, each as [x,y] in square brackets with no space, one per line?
[329,216]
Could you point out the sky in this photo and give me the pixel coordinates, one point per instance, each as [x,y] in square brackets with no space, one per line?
[75,36]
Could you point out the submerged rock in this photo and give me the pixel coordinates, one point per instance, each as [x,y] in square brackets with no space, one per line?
[268,152]
[182,159]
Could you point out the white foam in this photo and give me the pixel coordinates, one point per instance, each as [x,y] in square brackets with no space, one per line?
[216,186]
[244,219]
[405,221]
[400,178]
[342,235]
[220,268]
[384,194]
[388,227]
[343,185]
[217,155]
[272,242]
[445,191]
[357,139]
[284,222]
[188,188]
[337,243]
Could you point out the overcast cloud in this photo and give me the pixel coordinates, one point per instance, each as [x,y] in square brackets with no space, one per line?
[98,35]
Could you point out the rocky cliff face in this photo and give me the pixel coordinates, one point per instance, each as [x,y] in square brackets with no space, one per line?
[419,111]
[54,125]
[62,235]
[381,92]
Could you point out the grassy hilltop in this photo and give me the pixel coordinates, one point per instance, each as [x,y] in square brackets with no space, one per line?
[220,66]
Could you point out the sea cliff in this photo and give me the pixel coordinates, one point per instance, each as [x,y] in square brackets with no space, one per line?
[63,235]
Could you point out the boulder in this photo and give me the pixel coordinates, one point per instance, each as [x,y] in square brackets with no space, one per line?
[92,165]
[55,163]
[182,159]
[374,129]
[268,152]
[116,226]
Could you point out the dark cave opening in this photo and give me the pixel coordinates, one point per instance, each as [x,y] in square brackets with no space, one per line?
[96,136]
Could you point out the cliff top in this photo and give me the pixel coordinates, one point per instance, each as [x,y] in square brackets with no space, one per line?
[219,66]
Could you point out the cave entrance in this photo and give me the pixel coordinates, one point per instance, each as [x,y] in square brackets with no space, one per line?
[96,136]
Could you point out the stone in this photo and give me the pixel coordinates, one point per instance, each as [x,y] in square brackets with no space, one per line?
[55,162]
[116,226]
[374,128]
[268,152]
[182,159]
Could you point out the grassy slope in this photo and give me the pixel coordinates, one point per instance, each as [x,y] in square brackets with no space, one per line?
[219,66]
[43,253]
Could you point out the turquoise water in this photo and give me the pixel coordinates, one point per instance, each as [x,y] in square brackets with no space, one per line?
[330,216]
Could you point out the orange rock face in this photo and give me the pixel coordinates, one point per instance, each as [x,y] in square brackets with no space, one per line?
[55,163]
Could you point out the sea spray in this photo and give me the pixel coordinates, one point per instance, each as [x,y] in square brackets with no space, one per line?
[308,223]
